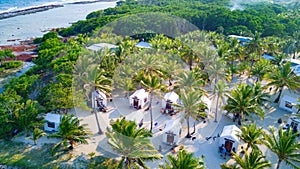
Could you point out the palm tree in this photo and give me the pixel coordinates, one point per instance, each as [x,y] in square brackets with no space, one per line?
[255,160]
[71,132]
[283,77]
[189,81]
[216,70]
[26,117]
[191,106]
[183,160]
[260,69]
[243,103]
[259,94]
[131,143]
[154,86]
[285,146]
[220,91]
[37,133]
[252,135]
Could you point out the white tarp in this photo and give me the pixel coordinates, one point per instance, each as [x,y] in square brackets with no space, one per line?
[139,99]
[52,122]
[171,96]
[172,131]
[229,137]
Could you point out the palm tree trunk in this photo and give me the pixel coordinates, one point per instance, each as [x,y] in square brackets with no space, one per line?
[216,111]
[150,110]
[188,127]
[279,95]
[278,164]
[98,125]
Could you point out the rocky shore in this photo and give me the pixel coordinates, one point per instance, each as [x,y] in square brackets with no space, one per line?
[28,11]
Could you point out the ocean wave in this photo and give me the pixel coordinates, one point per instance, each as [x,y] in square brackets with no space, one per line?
[8,10]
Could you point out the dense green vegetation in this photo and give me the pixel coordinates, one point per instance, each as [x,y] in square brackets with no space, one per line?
[11,64]
[266,18]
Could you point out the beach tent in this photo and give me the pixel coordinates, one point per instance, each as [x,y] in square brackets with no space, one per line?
[98,97]
[143,44]
[287,103]
[139,99]
[229,137]
[52,122]
[101,46]
[172,131]
[207,102]
[136,116]
[294,124]
[169,99]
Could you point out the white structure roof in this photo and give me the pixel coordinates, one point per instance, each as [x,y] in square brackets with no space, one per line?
[141,93]
[143,45]
[231,131]
[52,117]
[100,46]
[172,96]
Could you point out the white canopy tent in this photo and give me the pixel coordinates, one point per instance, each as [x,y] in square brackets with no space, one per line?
[169,99]
[139,99]
[229,137]
[100,97]
[172,131]
[52,122]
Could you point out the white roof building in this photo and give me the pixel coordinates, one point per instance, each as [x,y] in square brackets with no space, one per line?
[101,46]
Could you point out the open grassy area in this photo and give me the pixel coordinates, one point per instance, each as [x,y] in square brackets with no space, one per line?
[26,156]
[36,157]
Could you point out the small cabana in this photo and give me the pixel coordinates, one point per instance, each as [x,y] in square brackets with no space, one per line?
[229,138]
[139,99]
[172,132]
[99,100]
[293,124]
[169,99]
[52,122]
[207,102]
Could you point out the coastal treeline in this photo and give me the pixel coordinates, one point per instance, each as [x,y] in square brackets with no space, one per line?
[266,18]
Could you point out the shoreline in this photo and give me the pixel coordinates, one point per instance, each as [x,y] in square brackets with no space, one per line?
[35,9]
[28,11]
